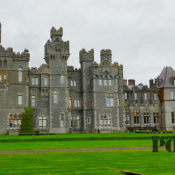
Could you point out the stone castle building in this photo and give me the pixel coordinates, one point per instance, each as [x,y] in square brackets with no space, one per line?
[94,98]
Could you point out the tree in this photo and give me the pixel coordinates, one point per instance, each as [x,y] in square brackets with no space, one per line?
[27,121]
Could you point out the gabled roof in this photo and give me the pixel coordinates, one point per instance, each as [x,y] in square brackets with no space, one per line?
[166,78]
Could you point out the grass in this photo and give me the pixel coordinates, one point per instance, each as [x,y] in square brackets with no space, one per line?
[86,135]
[89,163]
[84,163]
[73,144]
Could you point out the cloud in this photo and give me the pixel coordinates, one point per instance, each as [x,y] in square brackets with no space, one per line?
[139,32]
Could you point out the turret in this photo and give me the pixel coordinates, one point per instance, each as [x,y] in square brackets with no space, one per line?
[106,56]
[86,56]
[56,35]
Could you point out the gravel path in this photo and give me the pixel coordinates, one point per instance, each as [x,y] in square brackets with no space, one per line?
[72,150]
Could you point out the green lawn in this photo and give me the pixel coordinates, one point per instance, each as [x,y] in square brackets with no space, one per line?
[86,135]
[73,144]
[40,142]
[89,163]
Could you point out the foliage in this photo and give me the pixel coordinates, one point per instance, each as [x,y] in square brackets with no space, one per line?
[27,121]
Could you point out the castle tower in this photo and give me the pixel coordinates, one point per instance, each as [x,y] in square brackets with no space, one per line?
[166,84]
[56,55]
[86,60]
[106,56]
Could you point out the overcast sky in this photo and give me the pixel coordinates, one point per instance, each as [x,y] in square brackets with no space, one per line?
[141,33]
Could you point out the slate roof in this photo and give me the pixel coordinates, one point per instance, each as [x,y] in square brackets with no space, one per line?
[166,78]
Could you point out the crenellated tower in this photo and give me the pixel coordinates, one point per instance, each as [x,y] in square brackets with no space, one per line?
[86,61]
[56,55]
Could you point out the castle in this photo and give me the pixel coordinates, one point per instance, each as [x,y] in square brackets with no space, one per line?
[94,98]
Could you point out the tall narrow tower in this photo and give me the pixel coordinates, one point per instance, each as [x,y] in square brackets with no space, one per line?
[56,55]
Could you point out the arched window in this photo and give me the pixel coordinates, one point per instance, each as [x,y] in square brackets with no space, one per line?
[20,74]
[42,121]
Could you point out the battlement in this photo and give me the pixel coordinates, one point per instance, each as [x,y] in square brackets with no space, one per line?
[106,55]
[86,56]
[72,69]
[24,56]
[56,35]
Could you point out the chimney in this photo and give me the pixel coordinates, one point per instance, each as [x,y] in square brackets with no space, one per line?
[151,83]
[131,82]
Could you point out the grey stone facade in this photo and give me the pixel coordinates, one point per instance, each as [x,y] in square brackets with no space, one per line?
[94,98]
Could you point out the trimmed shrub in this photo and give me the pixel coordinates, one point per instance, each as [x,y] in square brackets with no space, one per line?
[27,121]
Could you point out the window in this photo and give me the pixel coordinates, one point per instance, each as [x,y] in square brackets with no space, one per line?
[100,82]
[33,101]
[135,96]
[110,82]
[174,82]
[155,117]
[73,83]
[105,82]
[105,120]
[172,95]
[146,117]
[126,96]
[45,81]
[88,120]
[42,121]
[136,117]
[127,118]
[55,97]
[76,103]
[34,81]
[5,76]
[15,121]
[19,99]
[62,120]
[155,96]
[109,101]
[172,117]
[0,77]
[77,122]
[20,74]
[62,79]
[145,96]
[0,64]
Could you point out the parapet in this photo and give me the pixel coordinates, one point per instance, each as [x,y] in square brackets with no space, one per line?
[56,34]
[106,55]
[23,56]
[86,56]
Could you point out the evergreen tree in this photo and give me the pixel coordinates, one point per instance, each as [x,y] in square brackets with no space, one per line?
[27,121]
